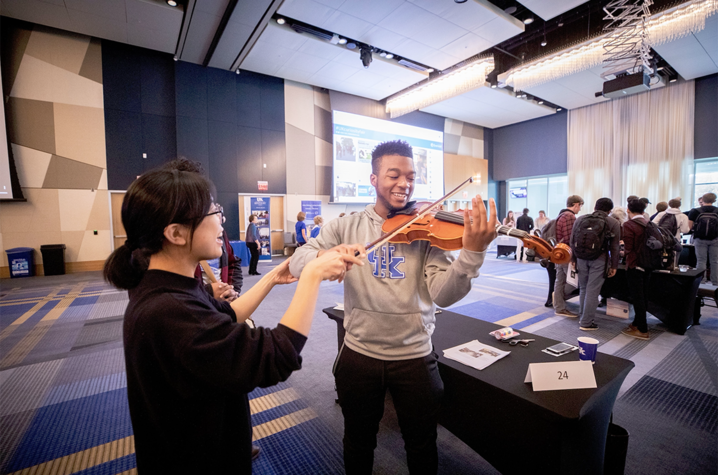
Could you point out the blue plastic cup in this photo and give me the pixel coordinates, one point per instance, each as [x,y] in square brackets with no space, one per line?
[587,349]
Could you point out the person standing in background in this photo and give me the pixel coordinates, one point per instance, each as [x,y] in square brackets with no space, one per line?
[301,229]
[564,228]
[318,221]
[542,220]
[252,238]
[524,223]
[660,207]
[509,220]
[638,279]
[704,223]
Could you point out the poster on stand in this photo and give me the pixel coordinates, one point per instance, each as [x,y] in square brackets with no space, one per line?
[260,208]
[311,209]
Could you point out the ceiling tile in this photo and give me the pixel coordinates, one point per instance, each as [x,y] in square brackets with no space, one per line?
[498,30]
[439,35]
[548,9]
[305,62]
[199,37]
[283,37]
[152,39]
[346,25]
[466,46]
[155,16]
[334,72]
[381,38]
[212,7]
[321,49]
[407,20]
[372,11]
[308,11]
[233,40]
[108,8]
[97,26]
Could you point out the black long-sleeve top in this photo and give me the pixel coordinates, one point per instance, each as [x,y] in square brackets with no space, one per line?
[189,369]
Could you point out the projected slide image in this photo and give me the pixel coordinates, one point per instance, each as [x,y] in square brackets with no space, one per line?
[420,166]
[367,190]
[365,149]
[346,189]
[345,149]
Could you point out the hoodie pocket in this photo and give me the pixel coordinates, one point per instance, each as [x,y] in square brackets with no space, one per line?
[386,330]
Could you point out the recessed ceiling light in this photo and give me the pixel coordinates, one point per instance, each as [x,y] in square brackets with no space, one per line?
[544,43]
[172,3]
[351,45]
[540,102]
[510,10]
[343,41]
[660,68]
[559,109]
[281,21]
[528,20]
[673,80]
[383,54]
[389,56]
[430,70]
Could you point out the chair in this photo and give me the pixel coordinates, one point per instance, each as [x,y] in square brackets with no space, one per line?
[290,243]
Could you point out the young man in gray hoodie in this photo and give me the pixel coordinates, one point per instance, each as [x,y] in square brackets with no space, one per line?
[389,309]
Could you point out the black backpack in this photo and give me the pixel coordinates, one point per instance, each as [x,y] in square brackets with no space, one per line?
[670,222]
[589,236]
[657,248]
[706,226]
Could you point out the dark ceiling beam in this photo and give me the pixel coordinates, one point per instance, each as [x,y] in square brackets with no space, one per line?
[186,20]
[258,30]
[220,31]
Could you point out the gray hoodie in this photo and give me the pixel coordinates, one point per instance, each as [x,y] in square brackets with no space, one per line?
[389,303]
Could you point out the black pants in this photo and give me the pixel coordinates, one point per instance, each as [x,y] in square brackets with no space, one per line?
[551,269]
[416,389]
[638,285]
[254,250]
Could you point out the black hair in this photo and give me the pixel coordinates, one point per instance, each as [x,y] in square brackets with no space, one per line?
[176,192]
[526,211]
[604,204]
[392,147]
[636,206]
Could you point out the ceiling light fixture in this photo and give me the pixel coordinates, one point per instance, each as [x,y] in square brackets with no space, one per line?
[540,102]
[172,3]
[342,41]
[383,54]
[460,1]
[365,56]
[445,87]
[281,21]
[430,70]
[559,109]
[351,45]
[544,42]
[528,20]
[662,28]
[389,56]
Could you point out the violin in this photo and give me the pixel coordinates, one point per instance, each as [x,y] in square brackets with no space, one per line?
[445,230]
[558,254]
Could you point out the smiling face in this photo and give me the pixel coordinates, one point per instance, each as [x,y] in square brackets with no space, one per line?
[207,240]
[394,183]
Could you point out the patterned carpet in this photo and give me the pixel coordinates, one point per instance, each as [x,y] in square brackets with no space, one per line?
[63,406]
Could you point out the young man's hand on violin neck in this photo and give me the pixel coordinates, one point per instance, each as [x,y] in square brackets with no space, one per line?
[478,230]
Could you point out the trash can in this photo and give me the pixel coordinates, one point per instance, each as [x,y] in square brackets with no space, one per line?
[53,258]
[22,261]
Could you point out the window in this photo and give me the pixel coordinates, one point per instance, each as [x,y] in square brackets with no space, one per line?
[706,179]
[541,194]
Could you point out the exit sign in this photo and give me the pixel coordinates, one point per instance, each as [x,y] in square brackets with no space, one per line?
[263,185]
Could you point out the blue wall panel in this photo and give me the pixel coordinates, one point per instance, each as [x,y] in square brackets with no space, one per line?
[534,147]
[121,77]
[223,156]
[274,157]
[221,95]
[158,83]
[249,90]
[705,133]
[159,139]
[191,90]
[192,140]
[272,104]
[124,151]
[249,156]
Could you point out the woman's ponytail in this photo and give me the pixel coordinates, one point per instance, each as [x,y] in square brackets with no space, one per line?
[125,267]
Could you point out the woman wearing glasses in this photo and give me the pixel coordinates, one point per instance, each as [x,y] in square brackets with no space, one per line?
[189,358]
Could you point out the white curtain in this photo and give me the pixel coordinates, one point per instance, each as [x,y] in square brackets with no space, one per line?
[638,145]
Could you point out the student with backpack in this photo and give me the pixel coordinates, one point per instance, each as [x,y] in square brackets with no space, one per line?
[595,246]
[673,219]
[638,278]
[704,222]
[559,231]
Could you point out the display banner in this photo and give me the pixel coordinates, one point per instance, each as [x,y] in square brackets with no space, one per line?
[260,208]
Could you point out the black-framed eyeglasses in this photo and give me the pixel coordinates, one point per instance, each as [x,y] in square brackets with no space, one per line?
[218,210]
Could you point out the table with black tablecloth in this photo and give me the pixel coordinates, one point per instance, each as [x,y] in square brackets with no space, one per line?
[671,296]
[514,428]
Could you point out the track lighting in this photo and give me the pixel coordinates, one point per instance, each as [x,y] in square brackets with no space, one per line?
[281,21]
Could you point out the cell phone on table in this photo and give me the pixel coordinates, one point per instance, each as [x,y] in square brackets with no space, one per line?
[560,348]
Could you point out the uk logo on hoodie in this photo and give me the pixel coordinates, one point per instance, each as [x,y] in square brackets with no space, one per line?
[386,261]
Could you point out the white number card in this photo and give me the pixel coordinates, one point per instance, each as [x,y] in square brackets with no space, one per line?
[561,375]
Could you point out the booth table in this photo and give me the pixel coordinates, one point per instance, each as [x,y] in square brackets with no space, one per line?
[241,251]
[671,296]
[514,428]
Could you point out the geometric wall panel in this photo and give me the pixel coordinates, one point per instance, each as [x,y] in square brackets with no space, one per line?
[80,133]
[65,51]
[42,81]
[100,213]
[75,209]
[31,124]
[69,174]
[95,248]
[31,165]
[92,64]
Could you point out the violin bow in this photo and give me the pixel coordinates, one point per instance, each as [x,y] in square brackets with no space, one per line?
[386,237]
